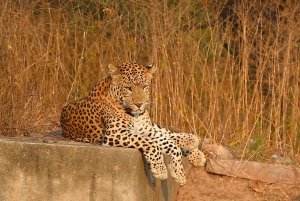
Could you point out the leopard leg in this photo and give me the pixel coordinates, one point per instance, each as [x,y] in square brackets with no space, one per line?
[195,157]
[174,152]
[149,148]
[186,141]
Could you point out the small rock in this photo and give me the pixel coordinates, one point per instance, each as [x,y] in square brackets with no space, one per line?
[216,151]
[206,141]
[279,159]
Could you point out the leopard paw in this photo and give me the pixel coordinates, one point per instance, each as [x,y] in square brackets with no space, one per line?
[178,174]
[159,171]
[193,142]
[195,157]
[187,141]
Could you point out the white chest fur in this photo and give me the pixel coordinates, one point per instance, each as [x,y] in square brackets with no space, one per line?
[137,124]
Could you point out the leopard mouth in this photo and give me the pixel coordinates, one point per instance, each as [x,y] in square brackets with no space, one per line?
[134,112]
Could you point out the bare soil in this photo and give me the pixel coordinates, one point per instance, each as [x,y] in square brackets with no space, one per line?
[204,186]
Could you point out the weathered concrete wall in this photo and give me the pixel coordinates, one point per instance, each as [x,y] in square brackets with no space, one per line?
[44,171]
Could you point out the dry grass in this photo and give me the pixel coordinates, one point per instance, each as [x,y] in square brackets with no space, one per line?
[230,74]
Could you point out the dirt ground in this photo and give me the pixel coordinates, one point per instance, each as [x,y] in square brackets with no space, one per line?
[205,186]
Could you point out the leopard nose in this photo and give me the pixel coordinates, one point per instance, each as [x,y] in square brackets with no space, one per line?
[138,104]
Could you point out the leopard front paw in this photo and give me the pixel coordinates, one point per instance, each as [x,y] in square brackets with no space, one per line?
[189,141]
[178,174]
[159,171]
[196,158]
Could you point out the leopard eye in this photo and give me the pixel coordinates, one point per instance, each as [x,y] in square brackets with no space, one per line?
[145,86]
[128,88]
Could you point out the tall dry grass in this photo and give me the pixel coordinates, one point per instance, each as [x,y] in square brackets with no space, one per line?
[226,70]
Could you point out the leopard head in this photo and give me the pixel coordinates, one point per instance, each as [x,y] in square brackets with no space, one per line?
[130,86]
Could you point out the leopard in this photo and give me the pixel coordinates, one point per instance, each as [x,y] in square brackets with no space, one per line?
[115,113]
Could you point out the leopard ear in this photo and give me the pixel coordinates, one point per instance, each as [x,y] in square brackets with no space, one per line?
[113,71]
[151,69]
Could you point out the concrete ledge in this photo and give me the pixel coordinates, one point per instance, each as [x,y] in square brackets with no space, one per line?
[48,171]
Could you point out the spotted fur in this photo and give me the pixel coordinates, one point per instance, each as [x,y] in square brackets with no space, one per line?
[115,114]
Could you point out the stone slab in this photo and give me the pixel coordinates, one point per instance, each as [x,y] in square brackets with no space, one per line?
[39,171]
[265,172]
